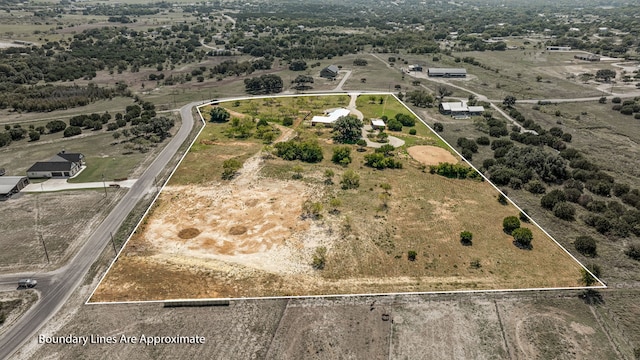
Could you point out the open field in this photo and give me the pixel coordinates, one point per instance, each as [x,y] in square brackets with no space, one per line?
[481,326]
[63,219]
[14,303]
[250,237]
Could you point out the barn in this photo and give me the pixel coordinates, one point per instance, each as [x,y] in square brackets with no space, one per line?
[447,72]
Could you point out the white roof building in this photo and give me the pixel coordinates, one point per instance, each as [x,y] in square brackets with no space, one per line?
[460,107]
[331,116]
[377,123]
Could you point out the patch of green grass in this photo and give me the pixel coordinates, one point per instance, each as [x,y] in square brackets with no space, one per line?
[116,167]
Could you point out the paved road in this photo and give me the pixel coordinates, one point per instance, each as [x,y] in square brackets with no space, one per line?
[55,287]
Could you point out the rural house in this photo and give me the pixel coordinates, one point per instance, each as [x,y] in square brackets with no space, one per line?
[446,72]
[330,117]
[10,185]
[330,72]
[62,165]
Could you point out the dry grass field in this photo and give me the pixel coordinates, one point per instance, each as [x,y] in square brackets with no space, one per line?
[64,219]
[249,237]
[500,326]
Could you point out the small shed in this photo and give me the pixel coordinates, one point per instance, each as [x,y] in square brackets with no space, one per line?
[378,124]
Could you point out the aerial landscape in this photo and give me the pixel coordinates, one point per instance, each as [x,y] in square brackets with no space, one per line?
[320,180]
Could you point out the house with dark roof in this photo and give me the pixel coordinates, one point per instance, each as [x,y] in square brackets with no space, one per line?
[329,72]
[62,165]
[10,185]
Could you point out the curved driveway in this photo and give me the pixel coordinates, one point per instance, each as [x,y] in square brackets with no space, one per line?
[56,287]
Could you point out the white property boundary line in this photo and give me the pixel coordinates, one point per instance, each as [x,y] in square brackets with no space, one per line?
[358,93]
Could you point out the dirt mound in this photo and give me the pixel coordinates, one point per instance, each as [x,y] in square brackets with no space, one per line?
[238,230]
[188,233]
[431,155]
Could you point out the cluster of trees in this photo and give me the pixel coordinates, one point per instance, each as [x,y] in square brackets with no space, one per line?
[627,107]
[235,68]
[420,98]
[56,97]
[383,158]
[264,84]
[454,171]
[307,151]
[398,121]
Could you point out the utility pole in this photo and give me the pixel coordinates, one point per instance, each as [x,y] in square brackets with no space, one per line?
[113,243]
[104,185]
[45,249]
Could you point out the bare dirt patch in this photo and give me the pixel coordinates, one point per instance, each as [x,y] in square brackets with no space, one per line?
[431,155]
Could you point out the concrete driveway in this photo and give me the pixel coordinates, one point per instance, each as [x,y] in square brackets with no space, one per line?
[62,184]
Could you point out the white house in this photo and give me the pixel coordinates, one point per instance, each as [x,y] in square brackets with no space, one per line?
[330,117]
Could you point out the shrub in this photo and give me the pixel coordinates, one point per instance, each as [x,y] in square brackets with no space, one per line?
[56,126]
[633,251]
[350,180]
[438,127]
[564,211]
[523,237]
[535,187]
[341,155]
[616,100]
[307,151]
[502,199]
[319,258]
[550,200]
[411,255]
[394,125]
[483,140]
[572,195]
[466,238]
[311,210]
[523,216]
[412,131]
[586,245]
[72,131]
[509,224]
[287,121]
[230,168]
[34,136]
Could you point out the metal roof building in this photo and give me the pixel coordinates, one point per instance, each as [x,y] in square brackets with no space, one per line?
[447,72]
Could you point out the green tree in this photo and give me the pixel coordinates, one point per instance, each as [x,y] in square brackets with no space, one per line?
[586,245]
[34,136]
[311,210]
[586,278]
[438,127]
[466,238]
[240,128]
[633,251]
[341,155]
[219,114]
[350,180]
[298,65]
[56,126]
[510,223]
[564,211]
[347,129]
[411,255]
[509,101]
[523,237]
[230,168]
[72,131]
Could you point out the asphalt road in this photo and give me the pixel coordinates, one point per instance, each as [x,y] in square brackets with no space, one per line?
[56,287]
